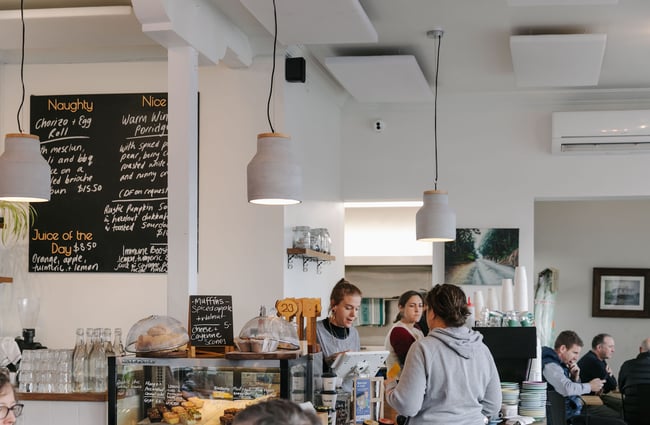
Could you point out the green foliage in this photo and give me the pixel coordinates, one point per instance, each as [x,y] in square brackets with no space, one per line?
[16,217]
[462,250]
[498,244]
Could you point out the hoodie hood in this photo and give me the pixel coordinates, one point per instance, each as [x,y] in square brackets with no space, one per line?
[462,340]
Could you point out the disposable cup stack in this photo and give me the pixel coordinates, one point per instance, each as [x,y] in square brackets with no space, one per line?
[521,289]
[507,296]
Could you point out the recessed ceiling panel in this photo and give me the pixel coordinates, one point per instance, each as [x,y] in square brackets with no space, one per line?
[315,21]
[381,78]
[570,60]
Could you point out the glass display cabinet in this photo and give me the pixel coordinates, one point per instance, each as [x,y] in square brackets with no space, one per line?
[202,391]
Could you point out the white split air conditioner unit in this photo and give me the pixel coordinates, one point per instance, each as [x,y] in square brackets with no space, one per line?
[605,132]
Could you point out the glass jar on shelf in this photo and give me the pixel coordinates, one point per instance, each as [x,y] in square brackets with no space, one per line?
[301,237]
[317,239]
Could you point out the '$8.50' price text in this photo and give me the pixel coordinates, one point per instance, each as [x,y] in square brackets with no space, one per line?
[84,246]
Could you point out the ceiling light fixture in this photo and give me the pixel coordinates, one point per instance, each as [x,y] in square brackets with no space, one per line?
[24,173]
[435,221]
[274,174]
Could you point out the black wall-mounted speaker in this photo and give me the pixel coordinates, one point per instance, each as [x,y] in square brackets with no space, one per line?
[294,70]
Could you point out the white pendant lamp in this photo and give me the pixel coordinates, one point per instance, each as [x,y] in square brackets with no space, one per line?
[435,221]
[24,173]
[274,175]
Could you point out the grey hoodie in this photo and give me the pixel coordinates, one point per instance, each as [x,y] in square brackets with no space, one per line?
[448,377]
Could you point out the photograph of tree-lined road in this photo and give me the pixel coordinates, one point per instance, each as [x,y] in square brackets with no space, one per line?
[482,256]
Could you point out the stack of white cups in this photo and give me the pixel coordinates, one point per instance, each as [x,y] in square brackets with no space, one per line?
[507,296]
[521,289]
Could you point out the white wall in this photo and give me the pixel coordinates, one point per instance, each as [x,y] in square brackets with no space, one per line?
[494,157]
[576,236]
[242,247]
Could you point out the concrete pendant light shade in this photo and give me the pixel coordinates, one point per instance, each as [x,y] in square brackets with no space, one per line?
[274,174]
[435,221]
[24,173]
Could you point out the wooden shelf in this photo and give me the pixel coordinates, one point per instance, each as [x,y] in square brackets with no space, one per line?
[4,279]
[63,396]
[308,255]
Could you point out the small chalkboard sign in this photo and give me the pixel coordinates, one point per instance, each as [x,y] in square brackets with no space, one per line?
[211,321]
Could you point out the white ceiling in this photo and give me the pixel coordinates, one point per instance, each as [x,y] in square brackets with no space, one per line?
[475,49]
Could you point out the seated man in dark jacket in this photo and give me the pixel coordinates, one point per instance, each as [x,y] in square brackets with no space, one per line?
[635,371]
[561,372]
[594,365]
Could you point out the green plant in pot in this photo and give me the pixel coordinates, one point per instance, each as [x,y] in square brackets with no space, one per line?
[14,220]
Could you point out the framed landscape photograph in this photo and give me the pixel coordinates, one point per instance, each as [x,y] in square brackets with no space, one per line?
[620,292]
[482,256]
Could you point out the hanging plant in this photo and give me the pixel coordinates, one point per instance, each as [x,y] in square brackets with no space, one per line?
[14,220]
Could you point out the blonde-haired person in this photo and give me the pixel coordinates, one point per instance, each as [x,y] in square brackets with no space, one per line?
[449,376]
[335,333]
[9,408]
[405,330]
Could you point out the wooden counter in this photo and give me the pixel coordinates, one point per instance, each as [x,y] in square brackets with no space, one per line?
[63,396]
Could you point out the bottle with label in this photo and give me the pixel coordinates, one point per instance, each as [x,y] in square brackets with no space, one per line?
[80,364]
[470,322]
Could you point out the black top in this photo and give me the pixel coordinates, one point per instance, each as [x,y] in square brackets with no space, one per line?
[635,371]
[592,367]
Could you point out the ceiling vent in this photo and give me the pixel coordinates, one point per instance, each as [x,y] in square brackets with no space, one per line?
[601,132]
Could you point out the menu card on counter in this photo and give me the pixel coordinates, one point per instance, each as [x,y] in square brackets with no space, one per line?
[211,320]
[108,210]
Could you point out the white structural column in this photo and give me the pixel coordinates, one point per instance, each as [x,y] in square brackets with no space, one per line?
[193,31]
[182,179]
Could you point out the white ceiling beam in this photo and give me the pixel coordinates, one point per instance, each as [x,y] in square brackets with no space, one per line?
[195,23]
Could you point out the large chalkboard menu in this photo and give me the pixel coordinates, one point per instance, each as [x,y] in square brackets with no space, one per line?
[108,210]
[211,320]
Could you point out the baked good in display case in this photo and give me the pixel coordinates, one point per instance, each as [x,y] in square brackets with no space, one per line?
[157,335]
[265,334]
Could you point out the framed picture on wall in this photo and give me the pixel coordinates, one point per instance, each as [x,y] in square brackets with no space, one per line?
[482,256]
[620,292]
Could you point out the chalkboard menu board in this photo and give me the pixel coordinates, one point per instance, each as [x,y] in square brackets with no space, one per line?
[211,320]
[108,210]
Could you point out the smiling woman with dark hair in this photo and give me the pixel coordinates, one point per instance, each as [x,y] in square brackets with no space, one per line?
[449,376]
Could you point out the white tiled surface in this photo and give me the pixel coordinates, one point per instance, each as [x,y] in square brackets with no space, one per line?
[63,412]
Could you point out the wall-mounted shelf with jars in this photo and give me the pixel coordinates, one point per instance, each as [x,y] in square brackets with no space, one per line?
[308,255]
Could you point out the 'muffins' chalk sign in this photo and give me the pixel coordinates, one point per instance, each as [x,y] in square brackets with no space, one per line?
[108,210]
[211,320]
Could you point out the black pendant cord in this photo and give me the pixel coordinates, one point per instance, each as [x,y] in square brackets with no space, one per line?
[22,66]
[275,42]
[435,115]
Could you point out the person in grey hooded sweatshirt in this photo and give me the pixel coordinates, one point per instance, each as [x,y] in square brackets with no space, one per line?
[449,376]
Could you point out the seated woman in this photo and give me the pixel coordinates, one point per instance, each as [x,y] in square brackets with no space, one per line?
[449,376]
[275,412]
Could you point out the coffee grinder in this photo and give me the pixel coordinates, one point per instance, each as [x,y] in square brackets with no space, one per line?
[28,309]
